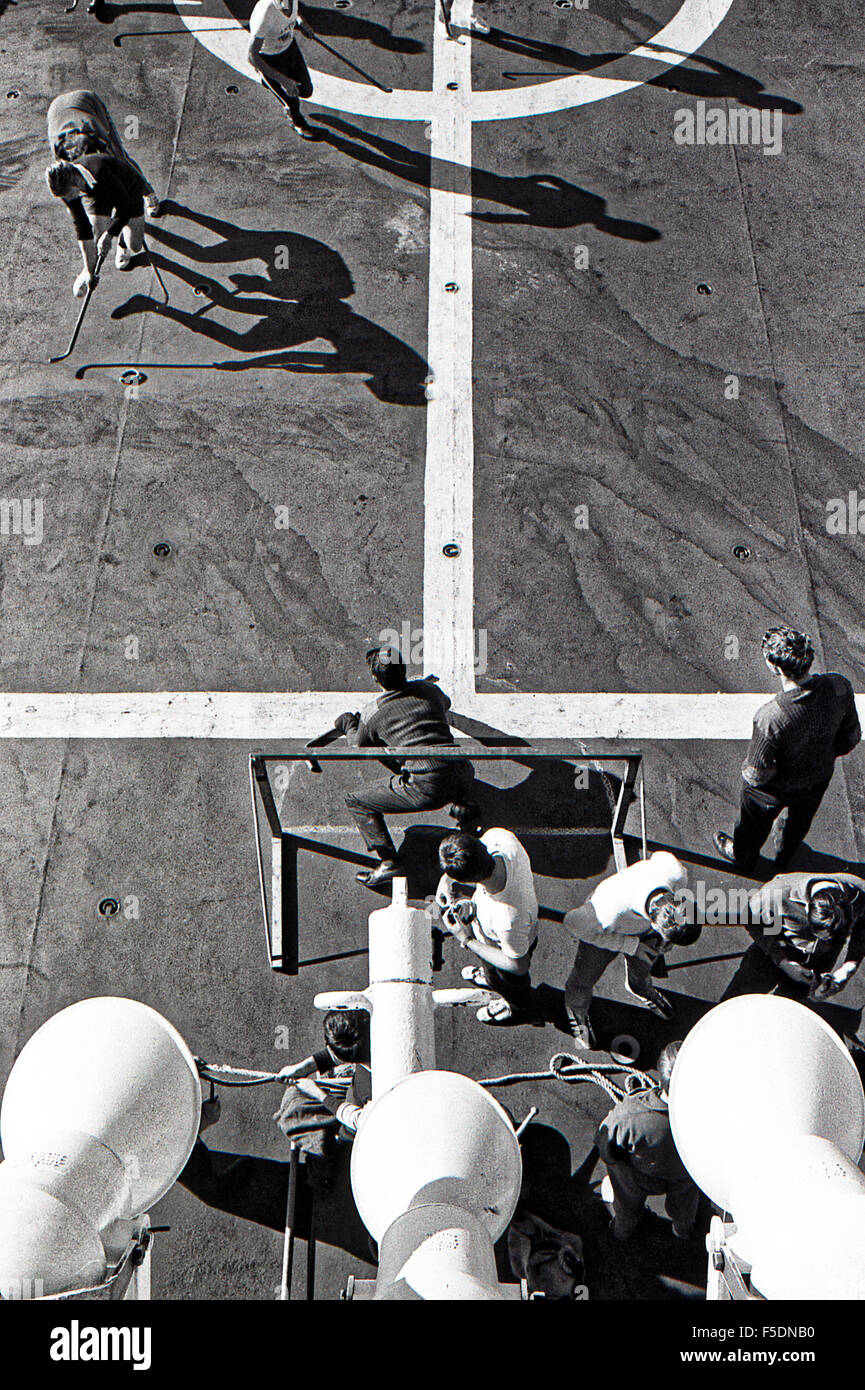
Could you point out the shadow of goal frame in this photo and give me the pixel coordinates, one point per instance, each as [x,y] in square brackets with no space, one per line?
[281,923]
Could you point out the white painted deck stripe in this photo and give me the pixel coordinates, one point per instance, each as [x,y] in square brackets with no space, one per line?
[273,715]
[694,23]
[448,583]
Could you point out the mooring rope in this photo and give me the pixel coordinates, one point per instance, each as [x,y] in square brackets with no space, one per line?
[563,1067]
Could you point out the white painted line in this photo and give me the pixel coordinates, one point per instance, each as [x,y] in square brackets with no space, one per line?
[448,582]
[687,31]
[273,715]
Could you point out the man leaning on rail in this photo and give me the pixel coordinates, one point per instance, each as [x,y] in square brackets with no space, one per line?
[407,714]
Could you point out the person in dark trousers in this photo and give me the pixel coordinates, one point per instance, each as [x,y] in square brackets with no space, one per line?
[408,713]
[636,913]
[105,198]
[79,123]
[275,54]
[795,740]
[635,1141]
[808,937]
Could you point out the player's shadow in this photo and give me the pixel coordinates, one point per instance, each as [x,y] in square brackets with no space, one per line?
[300,297]
[106,11]
[526,47]
[714,79]
[541,200]
[337,24]
[710,79]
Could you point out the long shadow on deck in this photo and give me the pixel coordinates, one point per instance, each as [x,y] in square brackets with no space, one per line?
[540,200]
[301,297]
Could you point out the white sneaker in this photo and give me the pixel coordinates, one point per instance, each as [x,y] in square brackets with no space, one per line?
[151,205]
[122,256]
[480,26]
[474,974]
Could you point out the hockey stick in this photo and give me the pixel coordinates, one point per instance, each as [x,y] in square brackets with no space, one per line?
[322,741]
[155,268]
[447,22]
[349,64]
[94,281]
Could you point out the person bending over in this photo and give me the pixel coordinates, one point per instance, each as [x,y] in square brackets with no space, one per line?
[105,198]
[637,914]
[489,905]
[409,713]
[79,123]
[808,934]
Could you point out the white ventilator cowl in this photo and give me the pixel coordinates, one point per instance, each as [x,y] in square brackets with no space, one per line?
[116,1070]
[768,1114]
[436,1138]
[100,1114]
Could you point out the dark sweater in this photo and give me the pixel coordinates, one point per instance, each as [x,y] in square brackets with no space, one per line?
[637,1131]
[118,194]
[784,933]
[798,735]
[416,715]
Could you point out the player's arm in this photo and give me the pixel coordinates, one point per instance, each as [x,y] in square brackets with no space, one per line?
[511,965]
[84,234]
[761,761]
[306,1067]
[258,61]
[345,1110]
[493,955]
